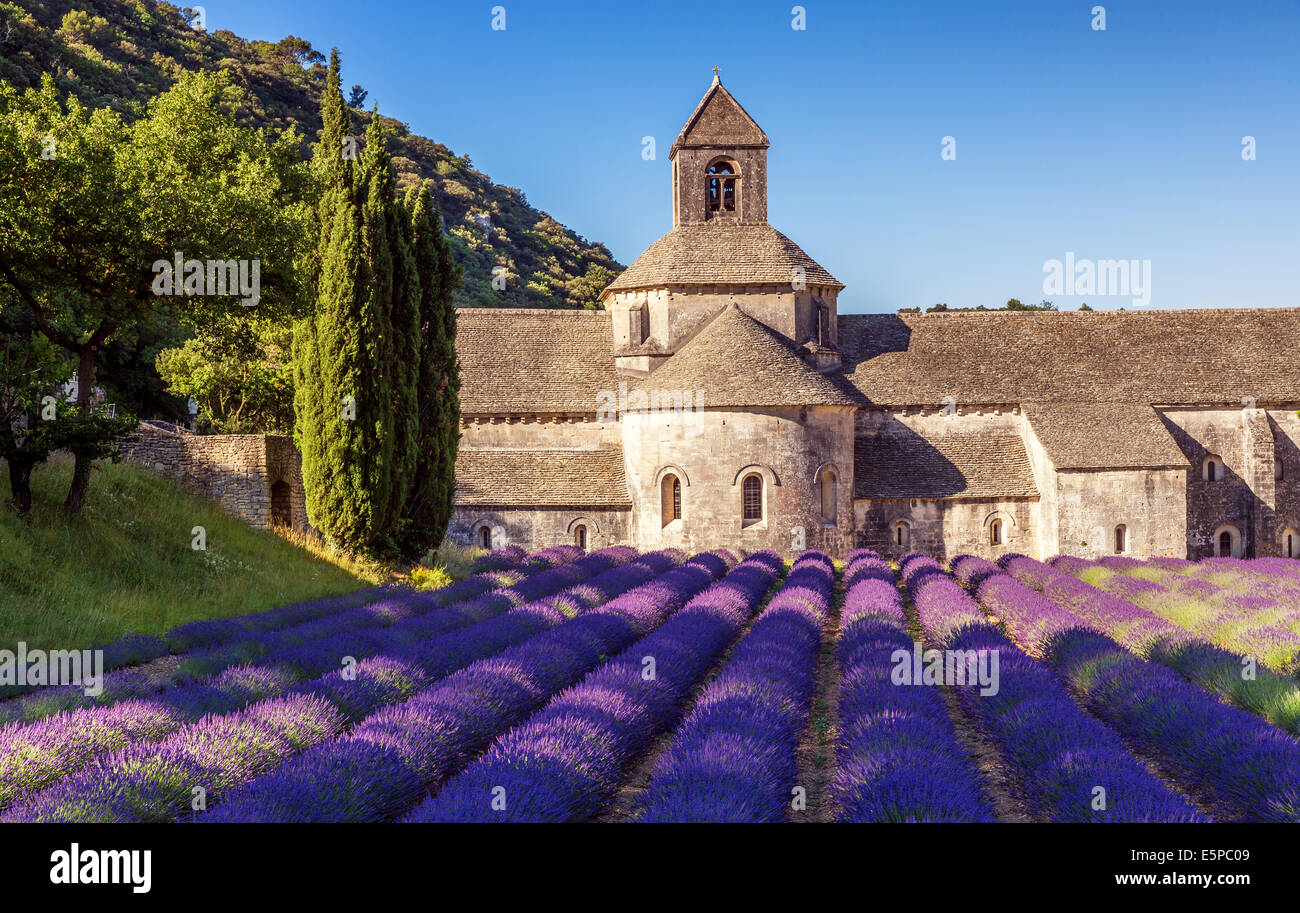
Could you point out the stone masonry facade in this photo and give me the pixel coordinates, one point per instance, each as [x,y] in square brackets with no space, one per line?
[721,400]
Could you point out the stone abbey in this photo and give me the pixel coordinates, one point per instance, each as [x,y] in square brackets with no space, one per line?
[720,400]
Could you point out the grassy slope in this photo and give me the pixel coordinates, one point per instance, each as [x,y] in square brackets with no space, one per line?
[126,564]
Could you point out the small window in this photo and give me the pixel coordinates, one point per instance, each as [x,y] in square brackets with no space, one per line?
[580,536]
[1213,469]
[1121,539]
[1225,544]
[1279,470]
[720,188]
[753,498]
[902,535]
[1291,545]
[485,536]
[995,532]
[829,497]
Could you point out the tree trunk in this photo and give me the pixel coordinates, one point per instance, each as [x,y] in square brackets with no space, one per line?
[20,484]
[80,486]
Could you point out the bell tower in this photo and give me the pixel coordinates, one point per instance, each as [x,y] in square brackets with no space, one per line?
[719,163]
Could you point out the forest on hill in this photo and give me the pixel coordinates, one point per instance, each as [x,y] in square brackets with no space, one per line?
[121,53]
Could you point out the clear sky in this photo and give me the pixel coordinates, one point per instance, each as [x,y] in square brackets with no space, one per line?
[1117,144]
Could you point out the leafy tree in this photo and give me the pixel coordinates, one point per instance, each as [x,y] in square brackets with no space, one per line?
[241,385]
[89,206]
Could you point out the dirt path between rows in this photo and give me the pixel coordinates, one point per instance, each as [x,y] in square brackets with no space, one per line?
[636,776]
[815,756]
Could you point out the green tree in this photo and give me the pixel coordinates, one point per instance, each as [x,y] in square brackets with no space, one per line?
[90,206]
[343,353]
[242,384]
[432,492]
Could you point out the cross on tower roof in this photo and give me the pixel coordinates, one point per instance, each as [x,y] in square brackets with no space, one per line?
[716,76]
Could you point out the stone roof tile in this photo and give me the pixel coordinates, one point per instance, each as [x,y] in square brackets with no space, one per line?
[721,253]
[1103,436]
[522,361]
[950,466]
[737,361]
[1185,357]
[541,478]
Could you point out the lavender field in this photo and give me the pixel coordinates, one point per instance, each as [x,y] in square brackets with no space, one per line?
[613,686]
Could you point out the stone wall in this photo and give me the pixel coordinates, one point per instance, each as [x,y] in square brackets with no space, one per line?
[945,528]
[711,452]
[539,527]
[1151,505]
[238,471]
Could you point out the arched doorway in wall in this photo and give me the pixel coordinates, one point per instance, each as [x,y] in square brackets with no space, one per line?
[580,536]
[484,536]
[281,504]
[1227,541]
[1291,543]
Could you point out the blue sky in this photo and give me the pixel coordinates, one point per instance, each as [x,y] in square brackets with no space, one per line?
[1117,144]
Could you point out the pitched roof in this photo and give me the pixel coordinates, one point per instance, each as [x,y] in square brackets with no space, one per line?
[541,478]
[719,120]
[531,360]
[952,466]
[1103,435]
[721,253]
[737,361]
[1191,357]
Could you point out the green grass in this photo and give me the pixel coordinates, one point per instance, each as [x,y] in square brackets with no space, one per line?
[126,563]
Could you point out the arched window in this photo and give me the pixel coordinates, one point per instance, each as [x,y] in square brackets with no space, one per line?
[1213,469]
[995,532]
[720,188]
[670,499]
[902,535]
[1121,539]
[1291,543]
[485,536]
[1225,543]
[752,489]
[1279,469]
[829,496]
[580,536]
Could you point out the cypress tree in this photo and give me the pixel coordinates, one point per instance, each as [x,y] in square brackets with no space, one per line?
[342,370]
[432,492]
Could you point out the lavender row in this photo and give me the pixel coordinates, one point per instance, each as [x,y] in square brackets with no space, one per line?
[733,758]
[400,752]
[1064,764]
[96,794]
[1239,765]
[302,621]
[1261,691]
[898,757]
[566,762]
[490,592]
[34,756]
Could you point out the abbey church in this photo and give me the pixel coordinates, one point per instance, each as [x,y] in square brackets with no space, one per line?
[720,399]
